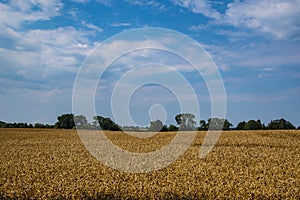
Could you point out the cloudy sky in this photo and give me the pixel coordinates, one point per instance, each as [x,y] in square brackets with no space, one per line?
[254,43]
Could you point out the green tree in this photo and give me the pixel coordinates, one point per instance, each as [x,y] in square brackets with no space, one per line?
[203,125]
[280,124]
[81,122]
[65,121]
[186,121]
[156,126]
[2,124]
[131,128]
[173,128]
[107,123]
[164,129]
[241,125]
[219,124]
[253,125]
[39,125]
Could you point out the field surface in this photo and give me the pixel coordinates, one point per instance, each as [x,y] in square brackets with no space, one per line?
[54,164]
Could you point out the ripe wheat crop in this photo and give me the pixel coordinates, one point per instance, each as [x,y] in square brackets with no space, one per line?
[53,164]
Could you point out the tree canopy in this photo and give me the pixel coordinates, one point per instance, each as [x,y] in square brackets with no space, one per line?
[280,124]
[186,121]
[173,128]
[65,121]
[253,125]
[257,125]
[156,126]
[241,125]
[215,124]
[107,123]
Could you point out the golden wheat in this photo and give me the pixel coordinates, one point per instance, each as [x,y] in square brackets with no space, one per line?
[53,164]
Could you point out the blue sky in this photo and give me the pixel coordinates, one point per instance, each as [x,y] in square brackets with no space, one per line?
[254,43]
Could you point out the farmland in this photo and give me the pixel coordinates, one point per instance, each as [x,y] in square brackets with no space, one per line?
[53,164]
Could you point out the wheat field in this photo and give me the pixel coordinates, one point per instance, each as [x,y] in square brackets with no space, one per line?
[54,164]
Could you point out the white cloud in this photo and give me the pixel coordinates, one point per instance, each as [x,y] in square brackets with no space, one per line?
[80,1]
[117,24]
[43,53]
[147,3]
[268,69]
[35,54]
[199,27]
[17,11]
[63,40]
[145,55]
[203,6]
[262,55]
[92,26]
[276,17]
[105,2]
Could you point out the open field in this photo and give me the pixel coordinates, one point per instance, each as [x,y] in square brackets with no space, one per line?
[53,164]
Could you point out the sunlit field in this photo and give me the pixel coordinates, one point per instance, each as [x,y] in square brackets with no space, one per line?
[53,164]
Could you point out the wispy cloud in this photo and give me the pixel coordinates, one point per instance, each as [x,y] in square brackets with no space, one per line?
[91,26]
[80,1]
[203,7]
[255,55]
[105,2]
[41,53]
[199,27]
[275,17]
[35,54]
[15,12]
[147,3]
[119,24]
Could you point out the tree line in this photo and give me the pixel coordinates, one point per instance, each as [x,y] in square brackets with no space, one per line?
[185,122]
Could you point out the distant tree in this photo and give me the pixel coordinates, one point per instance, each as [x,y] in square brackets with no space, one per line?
[20,125]
[186,121]
[253,125]
[227,125]
[65,121]
[131,128]
[280,124]
[107,123]
[259,124]
[39,125]
[2,124]
[13,125]
[241,125]
[219,124]
[164,129]
[81,122]
[49,126]
[156,126]
[8,125]
[203,125]
[172,128]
